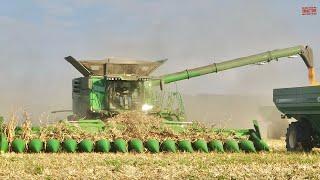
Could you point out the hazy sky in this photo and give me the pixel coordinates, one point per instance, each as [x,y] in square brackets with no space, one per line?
[36,35]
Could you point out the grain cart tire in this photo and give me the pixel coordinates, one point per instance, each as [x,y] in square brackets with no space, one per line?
[298,137]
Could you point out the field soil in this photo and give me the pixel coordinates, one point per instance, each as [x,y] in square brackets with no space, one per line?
[277,164]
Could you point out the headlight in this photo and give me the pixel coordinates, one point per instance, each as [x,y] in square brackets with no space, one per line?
[146,107]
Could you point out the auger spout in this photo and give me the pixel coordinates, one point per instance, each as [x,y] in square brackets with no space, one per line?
[304,52]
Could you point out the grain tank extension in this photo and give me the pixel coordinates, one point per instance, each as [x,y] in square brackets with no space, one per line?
[111,86]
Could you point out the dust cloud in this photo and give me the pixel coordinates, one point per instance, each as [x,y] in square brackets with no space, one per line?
[235,111]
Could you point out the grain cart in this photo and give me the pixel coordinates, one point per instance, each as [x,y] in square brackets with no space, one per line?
[302,104]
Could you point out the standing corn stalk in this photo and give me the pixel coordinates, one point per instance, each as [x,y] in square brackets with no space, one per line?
[26,127]
[11,126]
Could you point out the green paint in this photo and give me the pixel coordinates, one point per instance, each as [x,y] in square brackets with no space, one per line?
[169,146]
[259,144]
[120,145]
[86,145]
[247,146]
[18,145]
[70,145]
[103,145]
[200,145]
[257,128]
[97,94]
[153,145]
[91,125]
[185,146]
[136,145]
[53,145]
[231,145]
[225,65]
[4,145]
[35,145]
[215,145]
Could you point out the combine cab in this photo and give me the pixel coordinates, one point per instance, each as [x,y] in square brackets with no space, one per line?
[112,86]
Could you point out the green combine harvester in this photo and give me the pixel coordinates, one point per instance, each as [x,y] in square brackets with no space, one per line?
[113,86]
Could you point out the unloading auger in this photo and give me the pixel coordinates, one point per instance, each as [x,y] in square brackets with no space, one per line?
[305,53]
[112,86]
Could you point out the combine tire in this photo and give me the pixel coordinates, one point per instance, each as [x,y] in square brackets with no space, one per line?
[298,137]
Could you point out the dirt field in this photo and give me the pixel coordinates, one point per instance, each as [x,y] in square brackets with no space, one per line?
[274,165]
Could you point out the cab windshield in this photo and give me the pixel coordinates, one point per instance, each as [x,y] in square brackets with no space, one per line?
[126,95]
